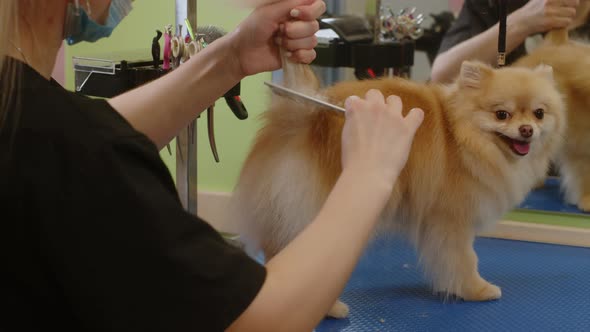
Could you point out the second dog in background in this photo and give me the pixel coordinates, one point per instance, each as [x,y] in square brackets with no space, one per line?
[570,60]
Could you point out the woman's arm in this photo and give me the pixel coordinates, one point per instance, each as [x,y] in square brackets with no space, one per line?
[160,109]
[536,16]
[483,47]
[305,279]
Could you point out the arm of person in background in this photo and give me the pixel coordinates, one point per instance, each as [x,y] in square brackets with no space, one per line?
[160,109]
[305,279]
[534,17]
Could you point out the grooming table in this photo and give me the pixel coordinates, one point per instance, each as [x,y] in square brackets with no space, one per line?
[545,288]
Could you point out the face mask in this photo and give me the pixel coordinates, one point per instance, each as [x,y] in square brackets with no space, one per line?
[80,27]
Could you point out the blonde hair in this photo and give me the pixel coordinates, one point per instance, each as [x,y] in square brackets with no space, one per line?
[8,69]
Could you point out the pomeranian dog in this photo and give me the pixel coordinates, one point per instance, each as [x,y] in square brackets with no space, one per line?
[485,141]
[569,59]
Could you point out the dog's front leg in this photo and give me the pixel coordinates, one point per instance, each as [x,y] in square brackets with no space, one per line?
[446,252]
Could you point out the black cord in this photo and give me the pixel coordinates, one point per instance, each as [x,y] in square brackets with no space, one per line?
[502,33]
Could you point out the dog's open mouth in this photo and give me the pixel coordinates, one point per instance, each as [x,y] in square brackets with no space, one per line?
[521,148]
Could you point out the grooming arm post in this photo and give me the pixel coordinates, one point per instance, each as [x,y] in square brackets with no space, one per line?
[186,147]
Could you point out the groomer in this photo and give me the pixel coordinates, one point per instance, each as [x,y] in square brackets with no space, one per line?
[93,236]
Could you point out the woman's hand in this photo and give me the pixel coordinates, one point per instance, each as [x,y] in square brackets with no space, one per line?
[290,23]
[376,138]
[543,15]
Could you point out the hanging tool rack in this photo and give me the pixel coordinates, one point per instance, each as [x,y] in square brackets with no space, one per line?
[108,77]
[381,44]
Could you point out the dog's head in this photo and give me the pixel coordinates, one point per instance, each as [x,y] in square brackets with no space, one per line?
[517,111]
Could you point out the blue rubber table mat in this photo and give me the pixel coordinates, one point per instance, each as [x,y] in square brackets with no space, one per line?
[549,198]
[544,288]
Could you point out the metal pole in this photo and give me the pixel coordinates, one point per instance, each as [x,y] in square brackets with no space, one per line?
[186,148]
[377,23]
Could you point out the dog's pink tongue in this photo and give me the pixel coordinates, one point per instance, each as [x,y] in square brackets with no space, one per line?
[521,147]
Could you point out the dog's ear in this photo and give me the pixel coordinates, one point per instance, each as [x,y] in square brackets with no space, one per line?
[473,74]
[545,70]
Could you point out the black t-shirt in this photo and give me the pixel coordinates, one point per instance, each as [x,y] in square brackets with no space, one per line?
[93,235]
[477,16]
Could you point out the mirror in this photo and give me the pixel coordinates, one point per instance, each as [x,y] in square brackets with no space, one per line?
[441,15]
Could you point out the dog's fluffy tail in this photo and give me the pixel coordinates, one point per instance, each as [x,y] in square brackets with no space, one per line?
[280,188]
[557,36]
[299,76]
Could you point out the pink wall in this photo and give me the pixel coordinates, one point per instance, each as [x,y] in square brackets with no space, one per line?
[59,71]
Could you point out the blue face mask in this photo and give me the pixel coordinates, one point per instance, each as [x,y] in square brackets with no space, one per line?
[80,27]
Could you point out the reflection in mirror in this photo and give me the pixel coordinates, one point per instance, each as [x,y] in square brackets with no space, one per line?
[550,198]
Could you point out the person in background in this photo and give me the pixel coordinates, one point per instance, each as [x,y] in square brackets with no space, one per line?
[93,236]
[474,34]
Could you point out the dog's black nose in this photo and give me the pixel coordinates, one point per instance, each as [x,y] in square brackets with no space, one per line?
[526,131]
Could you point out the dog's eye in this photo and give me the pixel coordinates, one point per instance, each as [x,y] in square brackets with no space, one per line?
[539,113]
[502,115]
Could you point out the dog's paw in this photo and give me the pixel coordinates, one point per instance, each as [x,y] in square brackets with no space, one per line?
[539,185]
[484,292]
[584,203]
[338,310]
